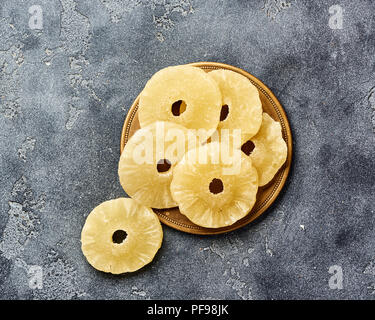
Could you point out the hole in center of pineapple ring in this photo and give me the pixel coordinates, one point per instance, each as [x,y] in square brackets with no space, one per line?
[163,165]
[224,112]
[248,147]
[119,236]
[216,186]
[178,108]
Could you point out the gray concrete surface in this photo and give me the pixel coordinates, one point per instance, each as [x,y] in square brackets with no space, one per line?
[65,90]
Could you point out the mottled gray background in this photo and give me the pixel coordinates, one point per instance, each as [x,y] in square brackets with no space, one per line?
[65,91]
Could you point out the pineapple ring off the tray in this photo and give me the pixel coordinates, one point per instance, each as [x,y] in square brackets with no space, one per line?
[241,105]
[211,191]
[146,164]
[121,236]
[181,94]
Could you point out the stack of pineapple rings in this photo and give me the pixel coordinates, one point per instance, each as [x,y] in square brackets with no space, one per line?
[205,145]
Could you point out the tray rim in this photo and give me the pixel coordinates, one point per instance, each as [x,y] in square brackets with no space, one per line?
[285,169]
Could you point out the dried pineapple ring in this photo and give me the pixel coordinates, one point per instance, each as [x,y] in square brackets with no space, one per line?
[211,191]
[145,167]
[268,149]
[182,94]
[103,234]
[241,105]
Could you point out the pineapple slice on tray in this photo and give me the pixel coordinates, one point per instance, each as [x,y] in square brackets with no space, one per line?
[120,236]
[184,95]
[267,149]
[241,105]
[214,186]
[147,161]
